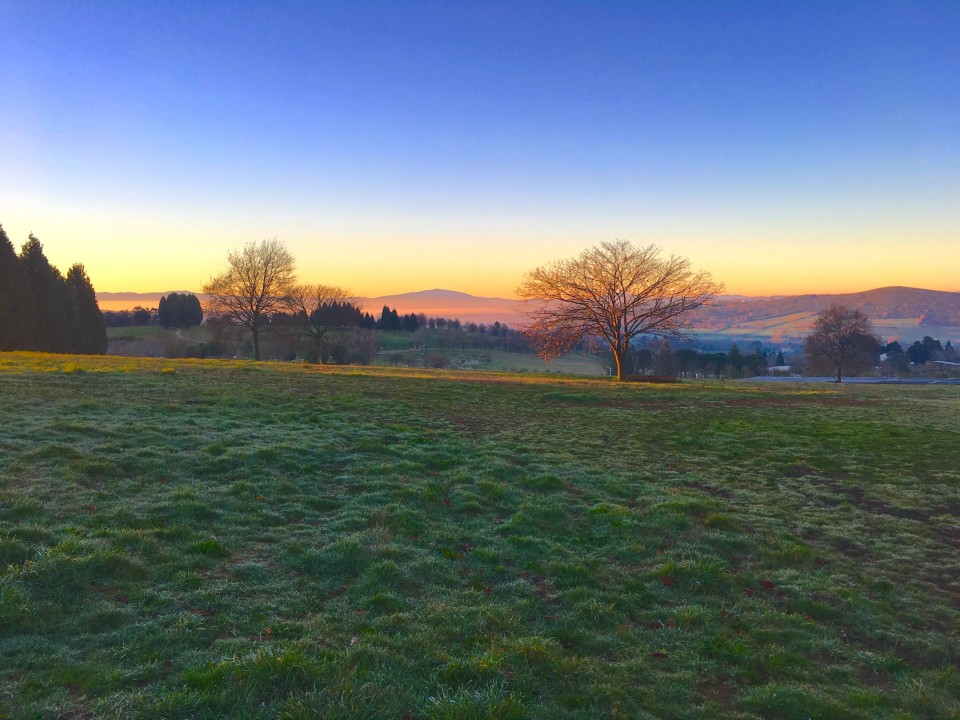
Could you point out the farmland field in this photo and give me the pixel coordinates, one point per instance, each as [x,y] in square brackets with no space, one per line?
[207,539]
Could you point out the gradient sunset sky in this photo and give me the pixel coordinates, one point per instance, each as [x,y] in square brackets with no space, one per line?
[787,147]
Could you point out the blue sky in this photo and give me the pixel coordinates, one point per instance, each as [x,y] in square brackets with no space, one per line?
[785,147]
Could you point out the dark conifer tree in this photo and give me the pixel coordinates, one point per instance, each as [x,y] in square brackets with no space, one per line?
[192,311]
[53,331]
[163,313]
[384,322]
[17,317]
[90,332]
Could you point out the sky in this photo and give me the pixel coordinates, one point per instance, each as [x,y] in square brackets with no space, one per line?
[400,146]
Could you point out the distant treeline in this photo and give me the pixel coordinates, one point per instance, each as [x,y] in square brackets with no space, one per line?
[659,358]
[346,314]
[127,318]
[41,309]
[176,310]
[921,352]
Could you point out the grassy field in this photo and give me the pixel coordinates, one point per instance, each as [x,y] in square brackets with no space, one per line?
[204,539]
[497,361]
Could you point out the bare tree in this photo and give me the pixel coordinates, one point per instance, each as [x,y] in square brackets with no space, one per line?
[842,339]
[255,285]
[322,308]
[616,291]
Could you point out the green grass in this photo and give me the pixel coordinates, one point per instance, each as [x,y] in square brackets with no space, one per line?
[155,332]
[206,539]
[495,361]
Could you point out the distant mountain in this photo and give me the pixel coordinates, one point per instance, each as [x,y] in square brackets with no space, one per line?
[128,300]
[449,304]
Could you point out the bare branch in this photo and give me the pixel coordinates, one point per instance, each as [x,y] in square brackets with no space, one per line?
[616,291]
[255,285]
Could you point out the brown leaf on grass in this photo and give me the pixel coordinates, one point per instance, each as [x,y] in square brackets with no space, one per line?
[767,584]
[667,580]
[660,655]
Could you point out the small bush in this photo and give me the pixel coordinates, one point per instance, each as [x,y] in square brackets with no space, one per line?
[435,360]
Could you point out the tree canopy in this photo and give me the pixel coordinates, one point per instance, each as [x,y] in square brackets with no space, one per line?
[257,283]
[179,310]
[842,340]
[318,309]
[615,291]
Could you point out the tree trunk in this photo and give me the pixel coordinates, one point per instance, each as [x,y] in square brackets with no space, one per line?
[256,342]
[616,357]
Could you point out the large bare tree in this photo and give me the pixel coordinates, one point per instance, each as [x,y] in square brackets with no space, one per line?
[616,291]
[842,339]
[256,284]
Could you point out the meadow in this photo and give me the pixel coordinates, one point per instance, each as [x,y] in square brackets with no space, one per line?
[210,539]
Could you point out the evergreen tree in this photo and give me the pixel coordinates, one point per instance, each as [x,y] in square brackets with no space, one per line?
[17,318]
[192,311]
[53,331]
[735,362]
[780,361]
[918,353]
[163,313]
[90,331]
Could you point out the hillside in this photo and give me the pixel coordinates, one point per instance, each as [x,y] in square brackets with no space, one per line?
[898,312]
[232,539]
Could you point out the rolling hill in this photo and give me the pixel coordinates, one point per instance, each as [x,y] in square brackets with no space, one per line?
[900,313]
[897,312]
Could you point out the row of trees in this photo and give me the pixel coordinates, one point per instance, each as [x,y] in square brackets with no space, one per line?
[259,288]
[920,353]
[41,309]
[659,358]
[127,318]
[258,294]
[392,321]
